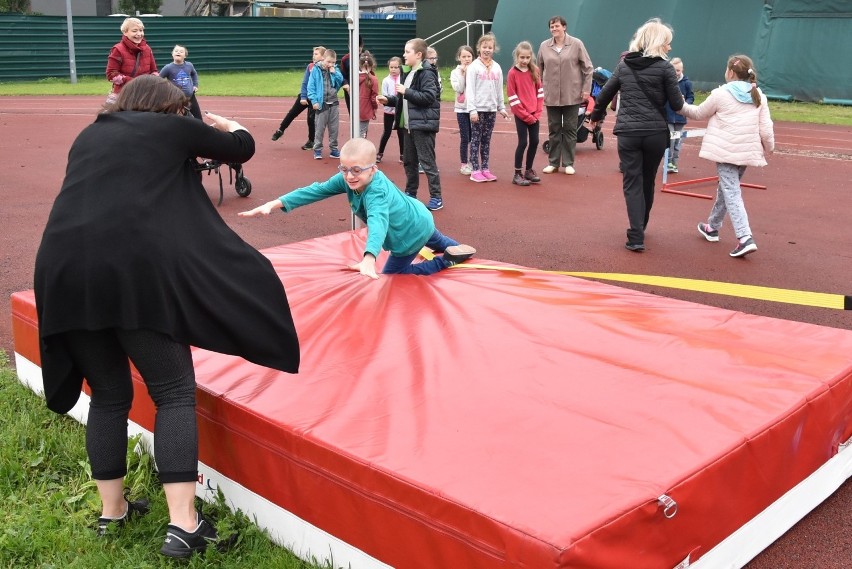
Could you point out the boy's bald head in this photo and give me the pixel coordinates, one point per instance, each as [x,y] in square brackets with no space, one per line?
[360,150]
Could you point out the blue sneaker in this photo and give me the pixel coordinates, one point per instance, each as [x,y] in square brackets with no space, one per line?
[317,154]
[435,204]
[335,153]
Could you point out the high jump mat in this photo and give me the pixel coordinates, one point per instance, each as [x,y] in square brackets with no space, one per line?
[504,417]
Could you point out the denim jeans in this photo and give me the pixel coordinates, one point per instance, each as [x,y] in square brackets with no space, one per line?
[438,242]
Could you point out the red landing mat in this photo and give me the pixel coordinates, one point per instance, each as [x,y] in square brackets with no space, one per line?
[483,418]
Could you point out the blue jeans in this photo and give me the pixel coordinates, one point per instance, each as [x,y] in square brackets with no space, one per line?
[438,242]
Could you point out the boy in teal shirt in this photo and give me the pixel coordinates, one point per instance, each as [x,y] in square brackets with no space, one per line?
[395,221]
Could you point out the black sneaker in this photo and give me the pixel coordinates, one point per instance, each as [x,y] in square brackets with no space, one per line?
[519,180]
[455,254]
[182,544]
[635,247]
[743,249]
[136,508]
[308,145]
[277,134]
[709,234]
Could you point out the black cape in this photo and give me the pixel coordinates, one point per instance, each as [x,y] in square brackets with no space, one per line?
[134,242]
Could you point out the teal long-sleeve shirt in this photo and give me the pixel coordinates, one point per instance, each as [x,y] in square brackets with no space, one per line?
[395,222]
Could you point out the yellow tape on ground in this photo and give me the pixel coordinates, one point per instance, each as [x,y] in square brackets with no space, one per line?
[800,297]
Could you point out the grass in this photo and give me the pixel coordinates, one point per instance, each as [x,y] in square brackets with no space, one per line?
[287,83]
[50,504]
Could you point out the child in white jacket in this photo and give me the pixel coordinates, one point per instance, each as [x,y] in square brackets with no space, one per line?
[483,100]
[739,131]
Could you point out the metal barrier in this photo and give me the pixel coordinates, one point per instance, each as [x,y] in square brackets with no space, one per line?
[667,186]
[461,25]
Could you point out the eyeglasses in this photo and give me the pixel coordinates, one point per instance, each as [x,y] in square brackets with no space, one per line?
[356,170]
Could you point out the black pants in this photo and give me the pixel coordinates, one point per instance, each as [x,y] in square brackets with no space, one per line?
[386,134]
[420,149]
[526,132]
[194,107]
[166,368]
[295,111]
[640,158]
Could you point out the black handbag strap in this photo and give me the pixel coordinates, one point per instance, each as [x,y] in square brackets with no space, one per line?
[647,95]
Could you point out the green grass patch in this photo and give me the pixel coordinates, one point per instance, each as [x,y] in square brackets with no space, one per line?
[50,502]
[287,84]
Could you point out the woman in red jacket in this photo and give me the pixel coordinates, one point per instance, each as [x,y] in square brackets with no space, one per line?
[129,58]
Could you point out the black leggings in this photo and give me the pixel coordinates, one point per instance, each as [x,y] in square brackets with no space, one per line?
[526,131]
[166,368]
[389,118]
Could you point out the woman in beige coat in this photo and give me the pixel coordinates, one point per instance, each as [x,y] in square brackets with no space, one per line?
[739,131]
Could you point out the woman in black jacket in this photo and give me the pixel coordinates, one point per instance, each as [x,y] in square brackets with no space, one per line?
[136,262]
[418,113]
[646,81]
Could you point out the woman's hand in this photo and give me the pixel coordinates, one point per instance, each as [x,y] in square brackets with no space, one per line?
[264,209]
[223,124]
[400,88]
[474,116]
[381,99]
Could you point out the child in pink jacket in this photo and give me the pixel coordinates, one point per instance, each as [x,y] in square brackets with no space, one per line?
[739,131]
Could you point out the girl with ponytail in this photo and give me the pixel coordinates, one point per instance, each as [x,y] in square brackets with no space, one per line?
[739,132]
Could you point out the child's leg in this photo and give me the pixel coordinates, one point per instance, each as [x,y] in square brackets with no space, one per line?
[194,107]
[475,143]
[312,116]
[424,143]
[362,128]
[533,147]
[386,133]
[729,186]
[521,128]
[294,111]
[678,127]
[464,136]
[487,120]
[409,164]
[333,126]
[320,120]
[400,136]
[403,265]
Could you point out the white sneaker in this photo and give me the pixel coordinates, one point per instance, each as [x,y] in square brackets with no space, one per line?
[569,170]
[549,169]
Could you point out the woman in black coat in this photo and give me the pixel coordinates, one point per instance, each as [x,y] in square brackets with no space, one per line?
[136,262]
[647,81]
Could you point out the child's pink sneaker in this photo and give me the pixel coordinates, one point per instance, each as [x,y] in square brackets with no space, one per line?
[478,176]
[489,176]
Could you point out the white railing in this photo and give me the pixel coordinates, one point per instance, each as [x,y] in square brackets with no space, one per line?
[459,26]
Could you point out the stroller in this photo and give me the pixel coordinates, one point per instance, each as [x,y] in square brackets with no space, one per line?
[599,78]
[235,175]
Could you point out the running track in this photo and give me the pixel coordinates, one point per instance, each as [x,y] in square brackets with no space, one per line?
[567,223]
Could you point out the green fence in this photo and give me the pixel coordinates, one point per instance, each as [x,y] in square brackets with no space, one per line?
[34,47]
[801,47]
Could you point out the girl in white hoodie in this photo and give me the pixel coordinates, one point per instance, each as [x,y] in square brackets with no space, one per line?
[739,131]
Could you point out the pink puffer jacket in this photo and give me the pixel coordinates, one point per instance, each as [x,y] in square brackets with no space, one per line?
[737,133]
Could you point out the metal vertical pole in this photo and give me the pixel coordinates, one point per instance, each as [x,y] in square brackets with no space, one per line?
[352,17]
[71,57]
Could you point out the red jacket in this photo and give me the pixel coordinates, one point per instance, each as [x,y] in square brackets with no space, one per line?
[122,61]
[368,88]
[526,97]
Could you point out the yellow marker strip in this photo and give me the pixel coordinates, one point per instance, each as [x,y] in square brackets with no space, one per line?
[800,297]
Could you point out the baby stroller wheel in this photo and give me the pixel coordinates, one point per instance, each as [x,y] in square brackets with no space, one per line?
[242,185]
[545,146]
[599,139]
